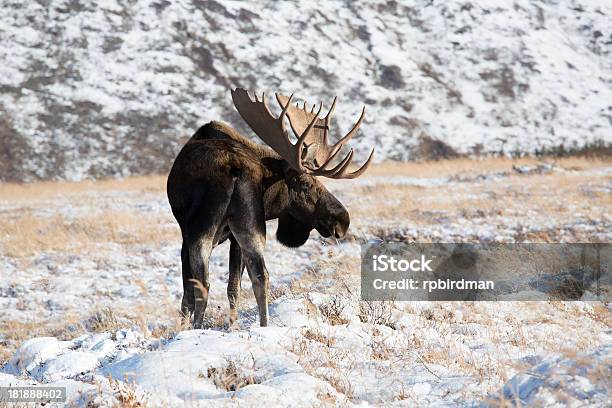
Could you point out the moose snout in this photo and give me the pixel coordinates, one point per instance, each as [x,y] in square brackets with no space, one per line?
[339,229]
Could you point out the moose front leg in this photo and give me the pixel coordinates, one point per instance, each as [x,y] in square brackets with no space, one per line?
[250,233]
[252,246]
[236,268]
[260,281]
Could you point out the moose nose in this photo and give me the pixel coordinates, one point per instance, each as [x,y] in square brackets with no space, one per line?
[339,230]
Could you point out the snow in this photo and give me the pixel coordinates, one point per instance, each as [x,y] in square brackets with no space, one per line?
[68,365]
[178,370]
[35,352]
[185,361]
[578,380]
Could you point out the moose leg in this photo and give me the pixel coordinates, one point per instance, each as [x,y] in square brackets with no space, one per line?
[252,244]
[199,253]
[236,267]
[260,281]
[200,227]
[250,232]
[188,302]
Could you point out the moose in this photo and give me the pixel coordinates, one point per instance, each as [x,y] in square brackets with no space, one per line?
[223,185]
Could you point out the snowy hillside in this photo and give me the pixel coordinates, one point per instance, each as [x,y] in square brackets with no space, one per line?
[90,89]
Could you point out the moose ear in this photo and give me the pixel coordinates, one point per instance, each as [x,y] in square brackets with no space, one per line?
[292,232]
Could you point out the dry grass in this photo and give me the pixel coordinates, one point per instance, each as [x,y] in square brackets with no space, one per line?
[318,356]
[377,312]
[380,350]
[453,167]
[35,220]
[127,395]
[537,199]
[332,310]
[229,377]
[103,320]
[556,195]
[341,383]
[26,234]
[316,335]
[49,189]
[78,216]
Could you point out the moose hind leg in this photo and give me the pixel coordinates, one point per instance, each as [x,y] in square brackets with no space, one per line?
[236,268]
[188,302]
[206,216]
[199,254]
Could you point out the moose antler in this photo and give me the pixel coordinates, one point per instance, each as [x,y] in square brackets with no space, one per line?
[311,153]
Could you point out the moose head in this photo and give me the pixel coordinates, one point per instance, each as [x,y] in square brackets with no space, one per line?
[311,205]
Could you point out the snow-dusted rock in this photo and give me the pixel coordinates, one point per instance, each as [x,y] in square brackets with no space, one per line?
[36,352]
[68,365]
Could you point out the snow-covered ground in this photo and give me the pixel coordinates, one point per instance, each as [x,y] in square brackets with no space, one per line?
[90,286]
[303,360]
[91,89]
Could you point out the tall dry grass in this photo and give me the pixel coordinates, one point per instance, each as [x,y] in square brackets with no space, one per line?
[46,189]
[25,234]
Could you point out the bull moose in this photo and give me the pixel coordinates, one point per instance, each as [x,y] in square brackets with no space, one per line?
[224,186]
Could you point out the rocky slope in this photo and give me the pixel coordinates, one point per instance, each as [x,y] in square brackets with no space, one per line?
[112,88]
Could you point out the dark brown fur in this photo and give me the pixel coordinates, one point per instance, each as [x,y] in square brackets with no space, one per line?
[224,186]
